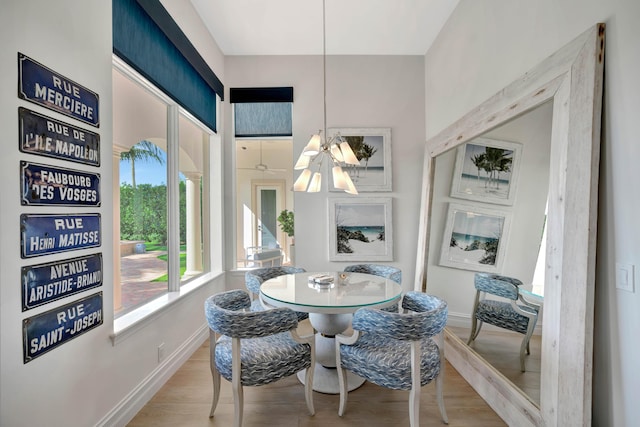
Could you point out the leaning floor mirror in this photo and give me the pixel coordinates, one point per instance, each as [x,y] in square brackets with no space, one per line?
[561,100]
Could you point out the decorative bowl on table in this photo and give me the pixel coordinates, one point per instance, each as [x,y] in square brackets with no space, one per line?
[321,281]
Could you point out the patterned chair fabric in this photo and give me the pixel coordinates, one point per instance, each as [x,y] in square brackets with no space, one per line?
[385,271]
[265,344]
[254,278]
[385,344]
[507,313]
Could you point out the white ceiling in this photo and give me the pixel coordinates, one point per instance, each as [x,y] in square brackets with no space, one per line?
[353,27]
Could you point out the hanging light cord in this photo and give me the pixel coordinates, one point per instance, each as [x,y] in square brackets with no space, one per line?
[324,69]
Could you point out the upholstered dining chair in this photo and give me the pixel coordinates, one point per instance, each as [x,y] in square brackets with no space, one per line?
[401,351]
[254,278]
[513,312]
[386,271]
[255,347]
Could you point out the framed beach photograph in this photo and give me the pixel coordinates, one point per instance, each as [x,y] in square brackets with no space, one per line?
[486,170]
[474,238]
[372,147]
[360,229]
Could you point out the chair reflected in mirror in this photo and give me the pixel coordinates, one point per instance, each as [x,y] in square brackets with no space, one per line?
[511,311]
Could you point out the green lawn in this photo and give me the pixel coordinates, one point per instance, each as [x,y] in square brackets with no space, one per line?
[160,247]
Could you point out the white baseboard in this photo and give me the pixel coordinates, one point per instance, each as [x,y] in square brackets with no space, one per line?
[128,407]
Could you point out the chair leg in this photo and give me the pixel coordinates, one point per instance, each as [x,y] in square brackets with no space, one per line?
[238,404]
[475,330]
[308,388]
[236,383]
[214,372]
[416,386]
[439,395]
[342,382]
[525,343]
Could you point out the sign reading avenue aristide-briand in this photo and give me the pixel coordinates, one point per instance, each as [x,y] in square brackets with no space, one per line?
[48,282]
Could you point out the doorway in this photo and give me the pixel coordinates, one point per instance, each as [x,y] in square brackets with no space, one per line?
[264,182]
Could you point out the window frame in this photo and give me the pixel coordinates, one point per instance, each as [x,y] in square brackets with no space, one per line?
[130,322]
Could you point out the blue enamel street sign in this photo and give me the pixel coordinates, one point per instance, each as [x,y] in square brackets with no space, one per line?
[43,234]
[44,136]
[43,86]
[53,186]
[46,331]
[48,282]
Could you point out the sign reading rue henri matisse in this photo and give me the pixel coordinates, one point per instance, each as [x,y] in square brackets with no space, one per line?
[53,186]
[44,136]
[43,86]
[48,282]
[43,234]
[46,331]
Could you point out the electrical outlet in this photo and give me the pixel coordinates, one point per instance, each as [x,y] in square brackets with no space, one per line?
[625,277]
[161,353]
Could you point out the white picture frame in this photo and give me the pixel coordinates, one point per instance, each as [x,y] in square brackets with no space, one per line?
[475,238]
[374,173]
[486,170]
[369,220]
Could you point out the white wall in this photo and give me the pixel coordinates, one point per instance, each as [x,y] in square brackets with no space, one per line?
[486,45]
[86,381]
[362,92]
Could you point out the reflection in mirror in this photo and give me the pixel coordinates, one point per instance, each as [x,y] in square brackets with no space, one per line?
[571,79]
[528,179]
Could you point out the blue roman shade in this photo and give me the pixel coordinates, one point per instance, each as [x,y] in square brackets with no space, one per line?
[146,37]
[262,112]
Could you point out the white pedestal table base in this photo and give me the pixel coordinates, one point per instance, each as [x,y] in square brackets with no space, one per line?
[325,375]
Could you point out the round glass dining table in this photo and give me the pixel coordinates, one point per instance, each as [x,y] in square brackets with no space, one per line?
[330,301]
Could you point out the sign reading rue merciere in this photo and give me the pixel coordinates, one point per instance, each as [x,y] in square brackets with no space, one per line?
[43,86]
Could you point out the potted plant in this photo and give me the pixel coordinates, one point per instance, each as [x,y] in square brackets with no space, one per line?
[286,225]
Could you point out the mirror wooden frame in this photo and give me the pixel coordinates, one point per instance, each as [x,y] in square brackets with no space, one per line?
[572,79]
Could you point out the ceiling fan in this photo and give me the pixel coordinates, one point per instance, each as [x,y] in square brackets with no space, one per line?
[262,167]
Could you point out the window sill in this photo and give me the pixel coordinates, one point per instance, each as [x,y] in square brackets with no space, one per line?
[130,323]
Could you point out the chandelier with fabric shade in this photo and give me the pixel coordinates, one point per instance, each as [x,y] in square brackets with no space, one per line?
[335,149]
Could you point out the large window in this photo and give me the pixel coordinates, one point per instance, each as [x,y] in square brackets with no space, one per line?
[162,154]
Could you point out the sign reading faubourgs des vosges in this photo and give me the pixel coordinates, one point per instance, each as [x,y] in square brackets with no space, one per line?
[44,136]
[43,86]
[48,282]
[43,234]
[54,186]
[46,331]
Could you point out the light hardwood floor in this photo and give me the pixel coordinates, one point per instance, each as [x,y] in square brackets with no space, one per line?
[502,350]
[185,401]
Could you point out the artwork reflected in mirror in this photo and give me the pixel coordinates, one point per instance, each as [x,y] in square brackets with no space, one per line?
[509,216]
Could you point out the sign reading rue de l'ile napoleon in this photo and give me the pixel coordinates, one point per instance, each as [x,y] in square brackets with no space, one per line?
[44,136]
[43,234]
[54,186]
[48,282]
[43,86]
[46,331]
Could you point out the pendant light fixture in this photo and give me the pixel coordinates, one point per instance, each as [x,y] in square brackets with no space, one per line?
[335,149]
